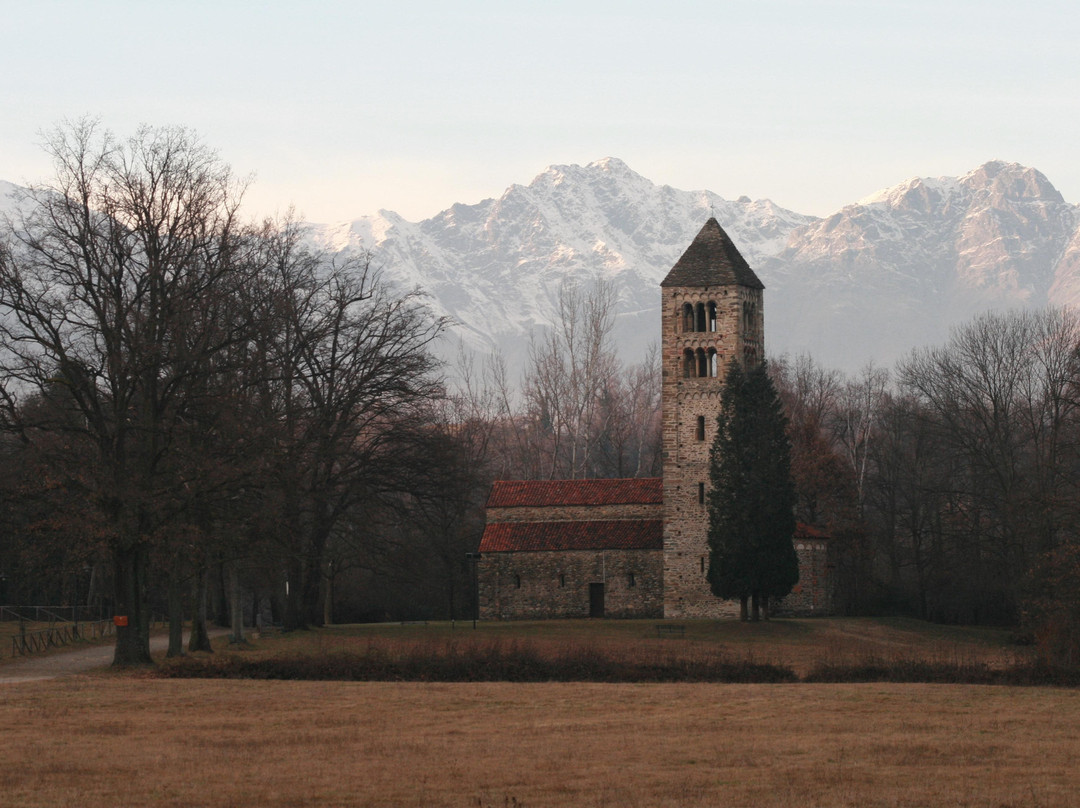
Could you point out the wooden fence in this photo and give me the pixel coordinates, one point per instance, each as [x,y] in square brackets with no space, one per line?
[55,614]
[29,642]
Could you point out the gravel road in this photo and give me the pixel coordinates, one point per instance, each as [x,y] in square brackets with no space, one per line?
[78,660]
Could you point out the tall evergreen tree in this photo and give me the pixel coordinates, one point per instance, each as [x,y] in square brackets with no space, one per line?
[752,499]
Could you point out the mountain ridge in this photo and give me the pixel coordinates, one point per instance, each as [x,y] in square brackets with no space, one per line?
[892,271]
[880,276]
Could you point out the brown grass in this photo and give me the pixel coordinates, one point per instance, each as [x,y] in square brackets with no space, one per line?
[138,741]
[801,645]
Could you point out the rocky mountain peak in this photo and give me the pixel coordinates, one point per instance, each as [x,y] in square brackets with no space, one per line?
[885,274]
[1000,181]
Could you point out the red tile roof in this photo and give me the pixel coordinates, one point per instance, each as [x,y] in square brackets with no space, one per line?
[807,532]
[627,534]
[536,493]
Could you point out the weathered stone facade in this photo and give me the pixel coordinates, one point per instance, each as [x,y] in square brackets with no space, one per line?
[712,312]
[639,548]
[572,548]
[568,583]
[812,595]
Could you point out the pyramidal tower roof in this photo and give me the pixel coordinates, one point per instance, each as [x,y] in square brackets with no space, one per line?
[712,260]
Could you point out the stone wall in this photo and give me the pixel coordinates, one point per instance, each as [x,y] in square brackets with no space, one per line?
[555,584]
[812,595]
[737,332]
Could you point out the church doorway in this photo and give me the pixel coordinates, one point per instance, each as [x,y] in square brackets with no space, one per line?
[596,600]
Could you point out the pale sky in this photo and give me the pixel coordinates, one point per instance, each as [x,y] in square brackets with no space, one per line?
[342,108]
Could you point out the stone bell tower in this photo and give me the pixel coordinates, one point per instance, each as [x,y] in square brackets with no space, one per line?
[711,313]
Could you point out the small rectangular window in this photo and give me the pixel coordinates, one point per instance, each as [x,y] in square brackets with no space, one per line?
[701,427]
[701,493]
[562,579]
[517,582]
[631,580]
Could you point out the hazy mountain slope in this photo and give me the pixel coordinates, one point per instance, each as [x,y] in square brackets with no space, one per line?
[900,268]
[496,266]
[890,272]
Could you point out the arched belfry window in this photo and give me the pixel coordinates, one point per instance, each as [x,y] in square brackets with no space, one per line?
[687,317]
[714,363]
[749,315]
[699,320]
[688,363]
[702,363]
[711,309]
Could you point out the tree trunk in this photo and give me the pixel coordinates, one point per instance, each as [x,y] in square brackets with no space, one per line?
[755,607]
[176,617]
[132,639]
[765,607]
[744,613]
[236,607]
[276,610]
[256,611]
[221,597]
[200,637]
[313,589]
[451,593]
[294,612]
[328,598]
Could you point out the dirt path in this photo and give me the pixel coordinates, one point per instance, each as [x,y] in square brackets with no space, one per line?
[78,660]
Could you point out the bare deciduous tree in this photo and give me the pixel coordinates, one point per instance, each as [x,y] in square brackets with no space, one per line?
[345,378]
[1000,397]
[106,289]
[567,374]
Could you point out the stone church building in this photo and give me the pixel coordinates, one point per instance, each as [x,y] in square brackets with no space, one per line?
[638,547]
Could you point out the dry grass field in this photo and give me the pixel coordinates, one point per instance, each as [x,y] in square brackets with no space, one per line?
[109,739]
[798,644]
[122,741]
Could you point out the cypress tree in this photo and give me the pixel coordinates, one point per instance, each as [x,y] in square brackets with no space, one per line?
[752,500]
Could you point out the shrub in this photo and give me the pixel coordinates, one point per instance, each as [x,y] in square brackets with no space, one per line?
[490,661]
[1052,611]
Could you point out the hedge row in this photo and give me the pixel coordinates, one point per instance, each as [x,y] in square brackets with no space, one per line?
[499,662]
[476,663]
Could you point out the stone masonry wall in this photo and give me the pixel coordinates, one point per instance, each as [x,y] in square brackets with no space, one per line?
[686,450]
[812,594]
[549,585]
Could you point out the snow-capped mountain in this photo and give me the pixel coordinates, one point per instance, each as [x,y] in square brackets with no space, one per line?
[888,273]
[900,268]
[496,267]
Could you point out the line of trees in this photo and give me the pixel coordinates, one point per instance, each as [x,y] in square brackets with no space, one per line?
[953,486]
[184,392]
[577,411]
[210,417]
[197,410]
